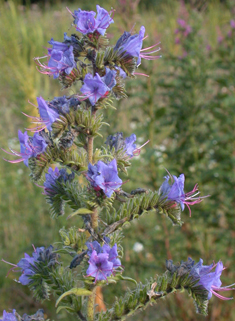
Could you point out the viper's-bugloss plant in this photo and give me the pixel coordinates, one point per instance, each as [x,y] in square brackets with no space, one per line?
[72,171]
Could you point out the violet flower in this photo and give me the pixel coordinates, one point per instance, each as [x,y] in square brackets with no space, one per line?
[132,44]
[94,88]
[175,192]
[29,147]
[103,260]
[99,266]
[210,280]
[85,21]
[104,176]
[60,59]
[8,316]
[26,265]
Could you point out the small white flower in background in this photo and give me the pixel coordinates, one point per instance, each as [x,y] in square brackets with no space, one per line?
[138,247]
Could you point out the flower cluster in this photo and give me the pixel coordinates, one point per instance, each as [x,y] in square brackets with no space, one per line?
[27,265]
[86,22]
[104,177]
[8,316]
[103,260]
[174,192]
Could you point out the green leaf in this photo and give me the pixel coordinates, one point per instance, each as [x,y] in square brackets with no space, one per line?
[64,307]
[125,278]
[80,211]
[75,291]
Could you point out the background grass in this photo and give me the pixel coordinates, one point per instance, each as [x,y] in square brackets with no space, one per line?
[186,109]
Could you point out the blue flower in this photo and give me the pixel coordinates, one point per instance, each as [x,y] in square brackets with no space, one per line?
[131,44]
[48,116]
[26,265]
[103,260]
[61,61]
[104,176]
[99,266]
[9,316]
[30,146]
[86,22]
[210,280]
[175,192]
[94,88]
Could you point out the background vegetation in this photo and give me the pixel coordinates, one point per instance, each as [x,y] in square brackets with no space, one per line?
[186,109]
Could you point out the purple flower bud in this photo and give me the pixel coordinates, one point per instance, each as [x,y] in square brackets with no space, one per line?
[63,105]
[86,22]
[210,280]
[122,73]
[8,316]
[104,176]
[94,88]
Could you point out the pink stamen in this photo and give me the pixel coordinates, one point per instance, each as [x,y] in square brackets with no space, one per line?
[220,296]
[140,74]
[144,49]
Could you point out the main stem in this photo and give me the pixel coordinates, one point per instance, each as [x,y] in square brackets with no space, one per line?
[94,224]
[90,306]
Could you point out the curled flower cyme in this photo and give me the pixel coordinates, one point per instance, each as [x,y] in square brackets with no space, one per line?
[175,192]
[8,316]
[104,176]
[52,177]
[26,265]
[29,147]
[210,280]
[86,22]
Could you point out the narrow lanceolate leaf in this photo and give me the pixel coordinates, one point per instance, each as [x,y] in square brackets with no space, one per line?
[74,291]
[80,211]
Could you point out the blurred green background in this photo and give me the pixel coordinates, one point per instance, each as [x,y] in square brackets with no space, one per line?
[186,109]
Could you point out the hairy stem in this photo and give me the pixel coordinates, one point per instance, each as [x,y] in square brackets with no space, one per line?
[94,219]
[90,306]
[90,149]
